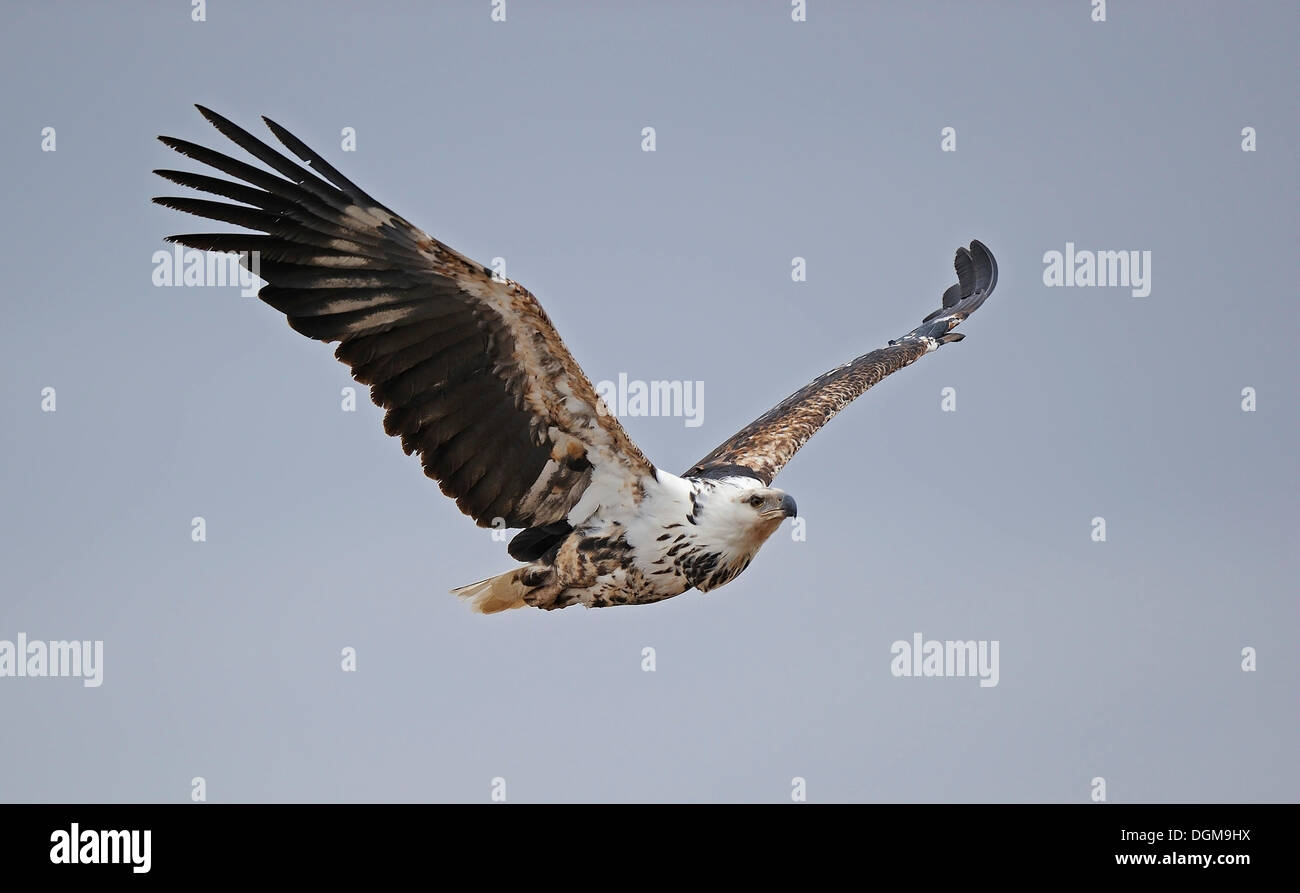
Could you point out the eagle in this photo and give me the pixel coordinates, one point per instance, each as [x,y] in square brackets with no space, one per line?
[474,378]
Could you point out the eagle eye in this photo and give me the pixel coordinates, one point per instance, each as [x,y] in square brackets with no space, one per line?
[756,501]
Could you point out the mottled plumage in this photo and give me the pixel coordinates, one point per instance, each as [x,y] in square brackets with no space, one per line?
[764,446]
[475,379]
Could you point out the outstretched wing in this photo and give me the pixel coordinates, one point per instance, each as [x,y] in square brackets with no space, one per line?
[763,447]
[472,373]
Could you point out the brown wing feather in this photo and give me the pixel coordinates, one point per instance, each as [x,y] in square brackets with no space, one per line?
[471,372]
[763,447]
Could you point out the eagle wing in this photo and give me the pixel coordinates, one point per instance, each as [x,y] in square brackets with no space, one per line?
[471,372]
[763,447]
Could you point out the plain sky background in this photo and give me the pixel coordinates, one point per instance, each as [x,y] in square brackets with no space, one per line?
[522,140]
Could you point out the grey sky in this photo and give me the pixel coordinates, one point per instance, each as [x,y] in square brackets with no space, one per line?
[775,139]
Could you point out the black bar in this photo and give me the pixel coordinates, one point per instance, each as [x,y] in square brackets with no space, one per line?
[373,841]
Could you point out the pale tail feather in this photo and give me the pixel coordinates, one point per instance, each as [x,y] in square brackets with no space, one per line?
[500,593]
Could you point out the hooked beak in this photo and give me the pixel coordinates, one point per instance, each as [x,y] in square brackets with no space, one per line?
[786,508]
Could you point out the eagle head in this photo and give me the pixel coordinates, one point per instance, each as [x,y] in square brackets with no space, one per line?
[732,521]
[762,509]
[746,516]
[768,505]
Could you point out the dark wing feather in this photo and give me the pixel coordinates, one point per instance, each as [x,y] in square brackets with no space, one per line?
[763,447]
[471,372]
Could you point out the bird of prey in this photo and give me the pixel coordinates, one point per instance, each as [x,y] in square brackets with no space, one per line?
[475,379]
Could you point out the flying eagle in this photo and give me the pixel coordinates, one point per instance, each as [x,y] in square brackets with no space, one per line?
[475,379]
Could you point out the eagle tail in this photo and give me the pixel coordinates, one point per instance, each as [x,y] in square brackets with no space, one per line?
[500,593]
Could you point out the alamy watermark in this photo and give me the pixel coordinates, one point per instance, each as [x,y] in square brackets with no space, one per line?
[76,846]
[38,658]
[947,658]
[1101,269]
[194,268]
[634,397]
